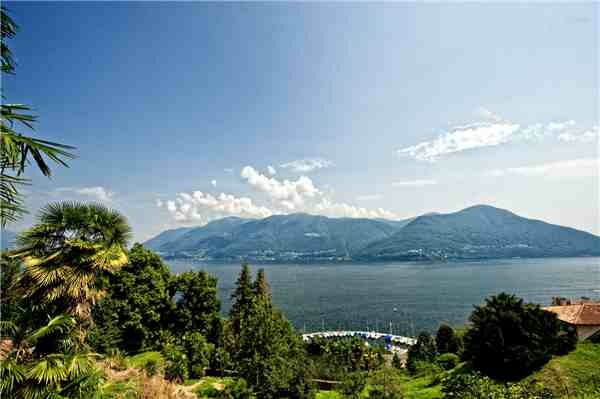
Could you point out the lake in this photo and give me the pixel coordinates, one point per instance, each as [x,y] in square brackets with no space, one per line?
[406,297]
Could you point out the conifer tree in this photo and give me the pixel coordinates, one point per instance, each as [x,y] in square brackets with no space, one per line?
[242,299]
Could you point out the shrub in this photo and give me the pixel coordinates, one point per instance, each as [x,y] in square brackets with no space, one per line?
[477,386]
[509,339]
[353,385]
[447,341]
[152,367]
[199,353]
[176,365]
[423,351]
[447,361]
[236,389]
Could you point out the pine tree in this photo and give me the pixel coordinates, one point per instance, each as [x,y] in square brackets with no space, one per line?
[261,287]
[242,299]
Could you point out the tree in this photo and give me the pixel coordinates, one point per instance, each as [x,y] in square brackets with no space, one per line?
[386,384]
[138,307]
[446,340]
[353,385]
[17,150]
[47,363]
[267,353]
[509,339]
[197,305]
[261,286]
[67,251]
[423,350]
[242,299]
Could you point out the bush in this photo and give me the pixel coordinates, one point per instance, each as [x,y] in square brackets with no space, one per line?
[447,361]
[447,341]
[176,365]
[509,339]
[198,351]
[423,351]
[237,389]
[152,367]
[353,385]
[477,386]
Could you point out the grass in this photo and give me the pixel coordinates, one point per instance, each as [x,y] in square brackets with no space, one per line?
[142,359]
[574,375]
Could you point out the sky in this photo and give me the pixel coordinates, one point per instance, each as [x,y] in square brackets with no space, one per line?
[187,112]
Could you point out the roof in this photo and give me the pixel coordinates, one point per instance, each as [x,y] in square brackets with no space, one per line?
[583,314]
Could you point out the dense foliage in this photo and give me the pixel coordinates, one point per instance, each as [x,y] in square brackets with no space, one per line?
[423,351]
[147,306]
[508,339]
[266,351]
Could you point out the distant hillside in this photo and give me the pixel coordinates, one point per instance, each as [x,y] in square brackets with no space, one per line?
[474,233]
[279,237]
[481,232]
[7,239]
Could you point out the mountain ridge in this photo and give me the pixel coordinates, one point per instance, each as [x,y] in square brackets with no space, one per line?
[476,232]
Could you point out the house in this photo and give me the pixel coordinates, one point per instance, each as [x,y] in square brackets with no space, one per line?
[584,315]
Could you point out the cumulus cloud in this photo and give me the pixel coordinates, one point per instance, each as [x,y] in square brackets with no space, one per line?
[307,165]
[203,207]
[369,197]
[289,194]
[493,131]
[415,183]
[97,193]
[213,183]
[581,167]
[340,209]
[271,170]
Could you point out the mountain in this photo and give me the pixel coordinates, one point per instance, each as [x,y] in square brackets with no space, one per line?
[279,237]
[481,231]
[477,232]
[7,239]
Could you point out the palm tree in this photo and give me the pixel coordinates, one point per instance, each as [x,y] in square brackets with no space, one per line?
[46,363]
[67,250]
[16,150]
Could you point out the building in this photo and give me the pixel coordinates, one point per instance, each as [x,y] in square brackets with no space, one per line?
[584,315]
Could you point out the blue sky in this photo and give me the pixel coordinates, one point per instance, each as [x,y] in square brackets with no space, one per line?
[178,110]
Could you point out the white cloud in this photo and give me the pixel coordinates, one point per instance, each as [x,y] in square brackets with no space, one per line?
[203,207]
[494,131]
[582,167]
[462,138]
[213,183]
[97,193]
[415,183]
[271,170]
[369,197]
[340,209]
[289,194]
[307,165]
[585,136]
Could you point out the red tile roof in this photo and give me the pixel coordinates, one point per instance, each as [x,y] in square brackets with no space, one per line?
[584,314]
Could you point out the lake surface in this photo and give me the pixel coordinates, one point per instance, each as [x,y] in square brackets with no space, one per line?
[406,296]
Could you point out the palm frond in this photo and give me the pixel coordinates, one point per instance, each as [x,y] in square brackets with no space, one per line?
[50,370]
[11,374]
[61,324]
